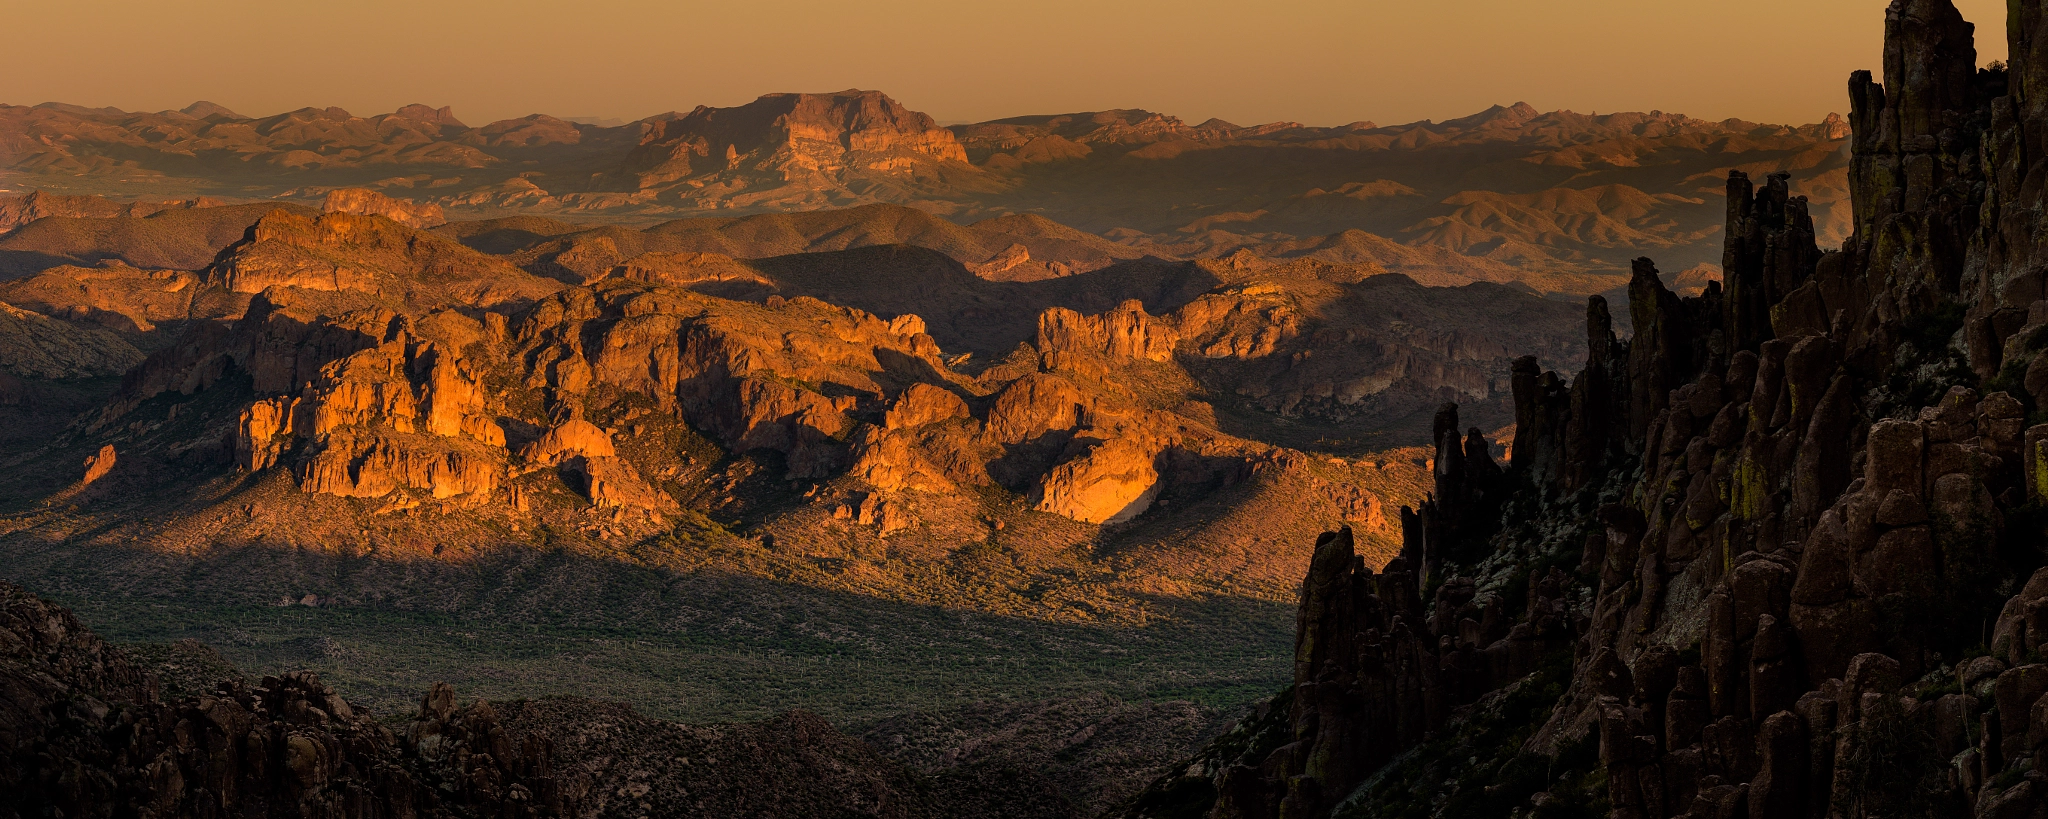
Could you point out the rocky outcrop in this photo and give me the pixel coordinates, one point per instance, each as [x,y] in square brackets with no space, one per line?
[612,482]
[369,465]
[793,150]
[1113,481]
[733,369]
[98,465]
[372,402]
[366,202]
[380,260]
[1769,252]
[1069,341]
[1378,668]
[922,404]
[571,438]
[1033,407]
[116,297]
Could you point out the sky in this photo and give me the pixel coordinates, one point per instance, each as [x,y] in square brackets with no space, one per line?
[1319,62]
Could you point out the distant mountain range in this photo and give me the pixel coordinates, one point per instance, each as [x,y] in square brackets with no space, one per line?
[1502,195]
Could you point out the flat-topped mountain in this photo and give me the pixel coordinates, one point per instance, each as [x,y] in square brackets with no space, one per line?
[799,151]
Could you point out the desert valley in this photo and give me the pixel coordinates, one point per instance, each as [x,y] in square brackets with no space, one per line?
[811,457]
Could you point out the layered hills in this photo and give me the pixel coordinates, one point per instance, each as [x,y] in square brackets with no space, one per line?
[935,490]
[1558,200]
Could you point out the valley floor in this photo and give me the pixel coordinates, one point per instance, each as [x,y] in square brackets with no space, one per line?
[722,649]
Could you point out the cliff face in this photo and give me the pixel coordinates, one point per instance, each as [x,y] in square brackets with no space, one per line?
[1803,511]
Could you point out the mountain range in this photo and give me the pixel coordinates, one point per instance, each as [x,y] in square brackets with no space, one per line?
[1557,201]
[808,457]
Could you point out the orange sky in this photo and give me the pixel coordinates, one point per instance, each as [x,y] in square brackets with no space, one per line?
[1322,62]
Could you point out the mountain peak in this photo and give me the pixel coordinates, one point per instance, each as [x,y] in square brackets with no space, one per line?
[203,109]
[444,115]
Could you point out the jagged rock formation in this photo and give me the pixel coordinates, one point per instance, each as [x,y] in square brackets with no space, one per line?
[99,464]
[1805,569]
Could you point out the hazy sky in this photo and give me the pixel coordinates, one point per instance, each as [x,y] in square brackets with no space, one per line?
[1322,62]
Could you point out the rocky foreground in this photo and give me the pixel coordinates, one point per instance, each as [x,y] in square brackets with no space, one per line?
[1779,554]
[96,730]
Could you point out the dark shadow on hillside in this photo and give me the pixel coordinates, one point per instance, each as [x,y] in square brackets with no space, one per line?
[693,623]
[702,645]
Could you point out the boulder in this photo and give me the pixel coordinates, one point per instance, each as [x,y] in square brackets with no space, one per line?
[568,439]
[1112,482]
[98,464]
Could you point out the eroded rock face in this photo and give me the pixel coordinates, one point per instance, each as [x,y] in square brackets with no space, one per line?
[98,464]
[612,482]
[922,404]
[572,438]
[1034,406]
[366,202]
[725,366]
[1112,482]
[794,150]
[1068,340]
[371,407]
[1369,684]
[373,256]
